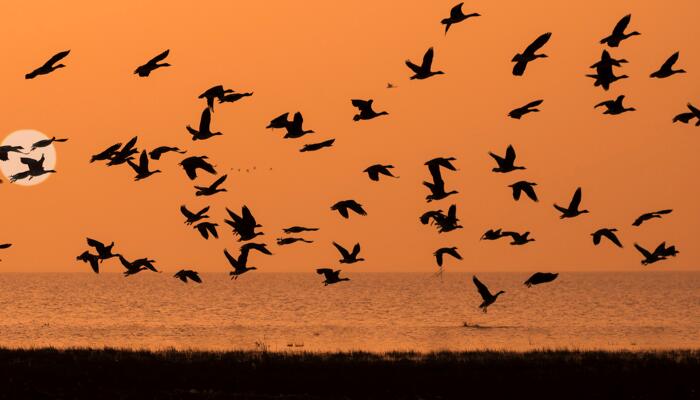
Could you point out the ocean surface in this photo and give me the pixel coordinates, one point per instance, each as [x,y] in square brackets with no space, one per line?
[372,312]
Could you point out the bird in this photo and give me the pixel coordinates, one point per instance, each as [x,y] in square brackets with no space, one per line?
[505,164]
[440,253]
[435,215]
[618,34]
[294,127]
[34,168]
[214,92]
[145,262]
[132,267]
[366,111]
[156,153]
[683,117]
[530,54]
[524,186]
[424,70]
[485,294]
[290,240]
[666,68]
[243,225]
[106,154]
[540,277]
[573,209]
[437,190]
[607,61]
[492,234]
[142,171]
[608,233]
[349,258]
[449,222]
[49,66]
[234,97]
[46,142]
[152,64]
[331,276]
[192,164]
[649,257]
[614,107]
[317,146]
[604,75]
[204,131]
[193,217]
[456,16]
[91,259]
[669,251]
[260,247]
[647,216]
[103,252]
[185,274]
[373,171]
[211,189]
[518,238]
[240,265]
[125,153]
[343,206]
[437,187]
[207,228]
[298,229]
[526,109]
[7,149]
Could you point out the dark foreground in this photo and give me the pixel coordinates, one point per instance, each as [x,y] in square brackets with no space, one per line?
[120,374]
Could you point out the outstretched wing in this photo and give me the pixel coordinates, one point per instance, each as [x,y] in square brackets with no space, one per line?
[613,238]
[187,213]
[355,250]
[539,42]
[576,200]
[428,59]
[642,250]
[456,11]
[344,253]
[416,69]
[205,120]
[231,260]
[362,105]
[510,154]
[57,57]
[533,104]
[530,192]
[357,207]
[483,290]
[671,60]
[159,57]
[620,27]
[218,182]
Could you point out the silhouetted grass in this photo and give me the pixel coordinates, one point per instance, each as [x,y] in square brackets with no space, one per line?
[126,374]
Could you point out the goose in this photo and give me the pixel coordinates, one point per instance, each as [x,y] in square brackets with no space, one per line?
[485,294]
[330,276]
[214,92]
[666,68]
[530,54]
[193,217]
[207,228]
[142,171]
[518,238]
[146,263]
[106,154]
[618,34]
[540,277]
[317,146]
[424,70]
[683,117]
[239,265]
[526,109]
[492,234]
[505,164]
[7,149]
[234,97]
[441,252]
[204,131]
[46,142]
[456,16]
[291,240]
[131,268]
[243,225]
[524,186]
[349,258]
[343,206]
[211,189]
[373,171]
[437,191]
[608,233]
[573,209]
[614,107]
[125,153]
[649,257]
[192,164]
[294,127]
[366,111]
[49,66]
[449,222]
[152,64]
[298,229]
[185,274]
[91,259]
[156,153]
[35,168]
[651,215]
[103,252]
[435,215]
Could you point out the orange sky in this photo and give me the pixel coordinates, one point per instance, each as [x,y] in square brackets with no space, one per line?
[314,56]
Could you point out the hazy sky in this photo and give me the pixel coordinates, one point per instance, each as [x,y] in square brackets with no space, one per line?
[314,56]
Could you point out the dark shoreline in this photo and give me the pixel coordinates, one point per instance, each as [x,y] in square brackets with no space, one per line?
[563,374]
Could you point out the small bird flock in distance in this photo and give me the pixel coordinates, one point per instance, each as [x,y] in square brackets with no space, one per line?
[245,226]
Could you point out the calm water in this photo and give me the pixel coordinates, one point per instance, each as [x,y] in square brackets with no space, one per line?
[372,312]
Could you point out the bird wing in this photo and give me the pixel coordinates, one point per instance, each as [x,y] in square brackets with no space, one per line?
[357,207]
[187,213]
[231,260]
[248,216]
[516,191]
[642,250]
[280,121]
[344,253]
[606,103]
[203,164]
[641,219]
[413,67]
[93,264]
[694,110]
[533,104]
[539,42]
[510,154]
[483,290]
[620,27]
[454,253]
[576,200]
[205,120]
[96,244]
[667,211]
[452,212]
[660,248]
[327,272]
[143,160]
[560,208]
[668,64]
[596,237]
[456,11]
[194,276]
[362,105]
[530,191]
[218,182]
[498,158]
[129,145]
[202,228]
[428,59]
[56,58]
[438,256]
[159,57]
[613,238]
[5,245]
[355,250]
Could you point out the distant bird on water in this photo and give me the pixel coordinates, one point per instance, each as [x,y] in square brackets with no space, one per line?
[331,276]
[317,146]
[507,163]
[103,252]
[530,54]
[456,16]
[194,217]
[49,66]
[618,34]
[343,206]
[211,189]
[375,170]
[156,153]
[485,294]
[540,277]
[348,257]
[207,228]
[46,142]
[152,64]
[573,209]
[614,107]
[91,259]
[243,225]
[608,233]
[648,216]
[185,274]
[366,111]
[526,109]
[298,229]
[666,68]
[192,164]
[524,186]
[683,117]
[204,131]
[424,70]
[519,239]
[142,170]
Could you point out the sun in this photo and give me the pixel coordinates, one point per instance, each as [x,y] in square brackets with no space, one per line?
[26,138]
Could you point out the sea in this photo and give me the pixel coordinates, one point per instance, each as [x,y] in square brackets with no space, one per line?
[376,312]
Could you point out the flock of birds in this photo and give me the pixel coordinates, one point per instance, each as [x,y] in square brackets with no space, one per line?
[245,226]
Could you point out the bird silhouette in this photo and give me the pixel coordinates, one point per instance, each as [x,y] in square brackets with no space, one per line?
[214,92]
[317,146]
[192,164]
[193,217]
[526,109]
[524,186]
[648,216]
[243,225]
[448,222]
[185,274]
[91,259]
[211,189]
[607,61]
[366,111]
[441,252]
[298,229]
[519,239]
[437,186]
[485,294]
[618,34]
[106,154]
[507,163]
[683,117]
[614,107]
[540,277]
[35,168]
[652,257]
[5,246]
[343,206]
[608,233]
[7,149]
[492,234]
[666,68]
[330,276]
[46,142]
[152,64]
[145,262]
[435,215]
[573,209]
[604,75]
[348,257]
[294,127]
[234,97]
[204,131]
[424,70]
[291,240]
[373,171]
[240,265]
[103,252]
[132,267]
[125,153]
[49,66]
[207,228]
[530,54]
[156,153]
[456,16]
[142,170]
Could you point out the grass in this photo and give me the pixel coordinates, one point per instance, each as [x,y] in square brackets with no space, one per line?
[49,373]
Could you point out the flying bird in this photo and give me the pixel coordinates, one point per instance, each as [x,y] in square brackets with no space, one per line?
[530,54]
[294,127]
[34,168]
[214,92]
[437,187]
[211,189]
[7,149]
[142,170]
[91,259]
[618,34]
[193,217]
[652,257]
[485,294]
[125,153]
[133,267]
[243,225]
[49,66]
[524,186]
[46,142]
[152,64]
[331,276]
[441,252]
[666,69]
[373,171]
[5,246]
[648,216]
[492,234]
[608,233]
[348,257]
[573,209]
[192,164]
[239,265]
[103,252]
[507,163]
[185,274]
[343,206]
[456,16]
[204,131]
[605,75]
[234,97]
[291,240]
[317,146]
[519,239]
[366,111]
[614,107]
[207,228]
[298,229]
[526,109]
[156,153]
[540,277]
[424,70]
[683,117]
